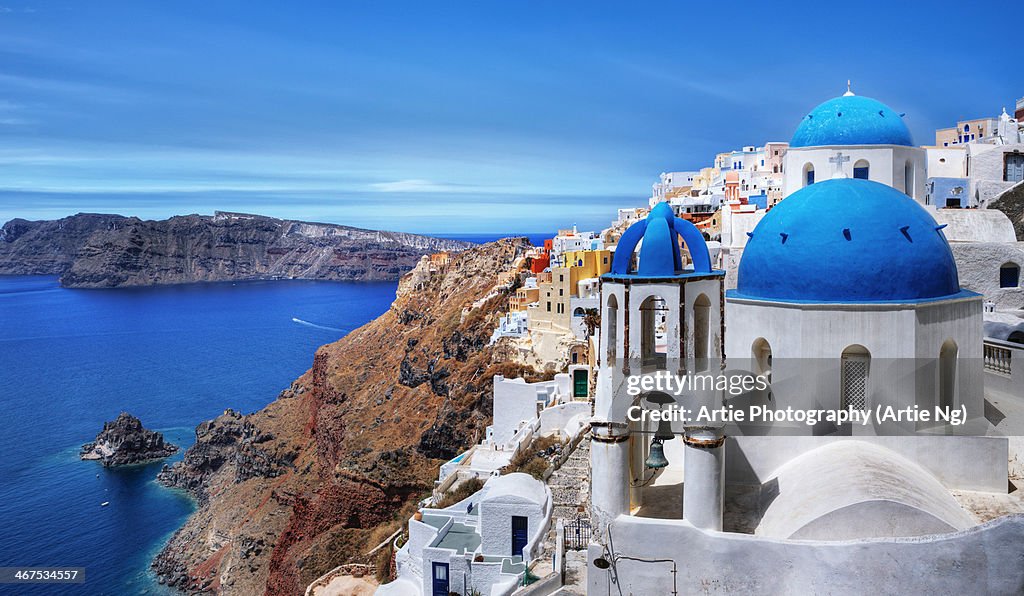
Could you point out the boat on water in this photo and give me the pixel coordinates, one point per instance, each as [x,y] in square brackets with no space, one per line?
[104,503]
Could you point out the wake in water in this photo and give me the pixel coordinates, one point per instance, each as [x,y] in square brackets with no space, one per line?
[315,326]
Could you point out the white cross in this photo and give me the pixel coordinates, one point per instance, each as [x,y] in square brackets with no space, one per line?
[838,162]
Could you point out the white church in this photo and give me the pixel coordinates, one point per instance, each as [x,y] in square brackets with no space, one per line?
[847,296]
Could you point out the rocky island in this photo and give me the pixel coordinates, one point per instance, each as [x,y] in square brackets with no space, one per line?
[125,441]
[108,251]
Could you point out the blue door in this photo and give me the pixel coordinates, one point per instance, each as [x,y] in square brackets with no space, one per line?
[440,579]
[519,525]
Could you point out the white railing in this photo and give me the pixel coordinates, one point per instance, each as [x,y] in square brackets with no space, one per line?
[997,357]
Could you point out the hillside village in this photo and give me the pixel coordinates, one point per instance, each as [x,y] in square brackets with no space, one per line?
[849,267]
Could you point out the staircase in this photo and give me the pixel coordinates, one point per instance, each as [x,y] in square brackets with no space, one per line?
[570,492]
[570,485]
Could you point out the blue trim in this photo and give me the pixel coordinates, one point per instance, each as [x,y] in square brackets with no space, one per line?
[686,274]
[959,295]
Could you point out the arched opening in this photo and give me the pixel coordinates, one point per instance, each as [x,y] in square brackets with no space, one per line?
[861,169]
[611,327]
[653,342]
[701,331]
[947,374]
[908,178]
[761,357]
[1009,275]
[854,372]
[808,174]
[579,312]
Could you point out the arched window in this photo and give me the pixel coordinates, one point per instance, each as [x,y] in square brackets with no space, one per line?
[652,327]
[761,356]
[854,371]
[947,374]
[808,174]
[1009,275]
[860,169]
[908,178]
[701,331]
[967,127]
[579,312]
[611,326]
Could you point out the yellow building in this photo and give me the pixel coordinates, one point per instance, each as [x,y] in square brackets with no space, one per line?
[551,316]
[523,298]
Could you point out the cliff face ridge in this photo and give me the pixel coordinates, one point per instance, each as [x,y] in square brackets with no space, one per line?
[338,461]
[104,251]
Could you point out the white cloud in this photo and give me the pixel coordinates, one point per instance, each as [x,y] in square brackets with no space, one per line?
[419,185]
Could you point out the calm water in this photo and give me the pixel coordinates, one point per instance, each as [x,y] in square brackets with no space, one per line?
[71,359]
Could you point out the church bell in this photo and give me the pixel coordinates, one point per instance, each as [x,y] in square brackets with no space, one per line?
[656,460]
[664,432]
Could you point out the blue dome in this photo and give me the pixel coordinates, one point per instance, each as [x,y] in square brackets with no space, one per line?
[847,240]
[851,120]
[659,253]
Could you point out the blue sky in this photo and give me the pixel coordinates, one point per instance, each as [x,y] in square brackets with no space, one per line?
[446,117]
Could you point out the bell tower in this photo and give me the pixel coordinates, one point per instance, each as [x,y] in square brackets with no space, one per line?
[661,314]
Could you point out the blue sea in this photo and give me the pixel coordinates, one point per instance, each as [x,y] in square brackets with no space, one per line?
[172,356]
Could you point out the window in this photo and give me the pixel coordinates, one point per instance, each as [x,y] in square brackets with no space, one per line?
[967,127]
[549,307]
[860,169]
[653,311]
[701,331]
[610,325]
[761,353]
[1009,275]
[808,174]
[856,363]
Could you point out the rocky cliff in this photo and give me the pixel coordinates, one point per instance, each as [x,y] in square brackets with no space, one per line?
[124,441]
[104,251]
[339,459]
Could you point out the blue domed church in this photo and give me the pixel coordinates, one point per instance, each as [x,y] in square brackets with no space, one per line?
[847,298]
[848,295]
[854,137]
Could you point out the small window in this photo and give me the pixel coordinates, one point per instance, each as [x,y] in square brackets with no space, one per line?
[549,307]
[856,363]
[808,174]
[1009,276]
[860,170]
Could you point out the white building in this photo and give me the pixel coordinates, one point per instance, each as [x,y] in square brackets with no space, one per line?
[482,545]
[513,324]
[847,297]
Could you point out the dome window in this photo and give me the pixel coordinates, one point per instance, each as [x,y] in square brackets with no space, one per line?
[861,169]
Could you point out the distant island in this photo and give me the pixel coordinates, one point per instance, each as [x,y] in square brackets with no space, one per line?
[124,441]
[110,251]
